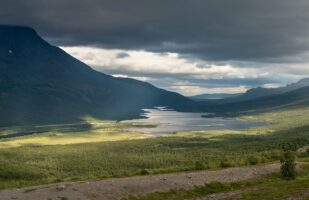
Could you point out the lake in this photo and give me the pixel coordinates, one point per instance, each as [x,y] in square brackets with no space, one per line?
[161,121]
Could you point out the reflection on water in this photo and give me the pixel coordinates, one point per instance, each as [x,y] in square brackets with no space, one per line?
[169,121]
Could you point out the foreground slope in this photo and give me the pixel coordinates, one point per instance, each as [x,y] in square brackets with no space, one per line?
[40,83]
[119,188]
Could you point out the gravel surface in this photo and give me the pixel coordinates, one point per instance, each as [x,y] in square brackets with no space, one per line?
[111,189]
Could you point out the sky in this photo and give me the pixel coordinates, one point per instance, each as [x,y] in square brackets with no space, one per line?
[187,46]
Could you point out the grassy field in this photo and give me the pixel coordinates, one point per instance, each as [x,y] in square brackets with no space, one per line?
[91,131]
[267,187]
[104,150]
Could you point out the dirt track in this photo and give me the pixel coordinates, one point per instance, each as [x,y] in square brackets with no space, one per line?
[117,188]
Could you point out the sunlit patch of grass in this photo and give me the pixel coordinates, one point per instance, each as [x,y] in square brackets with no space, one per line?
[62,139]
[281,119]
[208,133]
[100,131]
[95,122]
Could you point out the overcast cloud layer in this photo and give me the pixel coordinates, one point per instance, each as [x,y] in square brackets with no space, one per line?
[188,46]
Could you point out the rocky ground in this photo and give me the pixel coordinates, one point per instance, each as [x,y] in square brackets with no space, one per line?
[117,188]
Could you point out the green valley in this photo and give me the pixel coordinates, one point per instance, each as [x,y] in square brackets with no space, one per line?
[110,152]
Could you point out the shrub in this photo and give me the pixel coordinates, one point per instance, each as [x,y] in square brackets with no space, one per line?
[199,165]
[226,163]
[288,165]
[144,172]
[253,160]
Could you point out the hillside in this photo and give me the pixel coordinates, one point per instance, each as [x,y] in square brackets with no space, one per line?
[262,92]
[293,99]
[40,83]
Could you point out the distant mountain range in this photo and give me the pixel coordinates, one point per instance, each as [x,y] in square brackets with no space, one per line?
[253,93]
[261,92]
[40,83]
[261,99]
[297,98]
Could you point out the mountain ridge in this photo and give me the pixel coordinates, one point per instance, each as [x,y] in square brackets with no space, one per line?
[40,83]
[295,98]
[261,92]
[252,93]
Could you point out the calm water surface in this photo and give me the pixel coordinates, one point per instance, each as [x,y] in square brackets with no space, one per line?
[169,121]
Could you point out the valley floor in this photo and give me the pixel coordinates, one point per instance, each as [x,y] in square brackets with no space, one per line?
[105,151]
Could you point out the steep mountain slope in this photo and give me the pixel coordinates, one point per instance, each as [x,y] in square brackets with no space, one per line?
[40,83]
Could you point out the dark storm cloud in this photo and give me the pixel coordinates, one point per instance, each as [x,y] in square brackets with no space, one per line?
[122,55]
[218,30]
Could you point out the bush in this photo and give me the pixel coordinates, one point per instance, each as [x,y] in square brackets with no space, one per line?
[199,165]
[253,160]
[226,163]
[288,165]
[144,172]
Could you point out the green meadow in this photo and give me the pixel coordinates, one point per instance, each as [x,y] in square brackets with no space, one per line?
[105,150]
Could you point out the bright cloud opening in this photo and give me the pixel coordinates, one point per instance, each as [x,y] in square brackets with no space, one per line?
[153,67]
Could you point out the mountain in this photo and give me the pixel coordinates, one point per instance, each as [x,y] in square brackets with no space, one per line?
[258,92]
[40,83]
[292,99]
[214,96]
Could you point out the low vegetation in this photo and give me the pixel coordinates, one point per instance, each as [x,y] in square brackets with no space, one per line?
[288,165]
